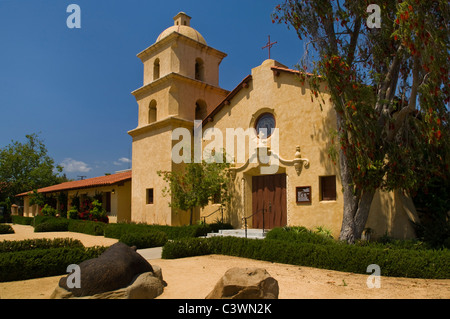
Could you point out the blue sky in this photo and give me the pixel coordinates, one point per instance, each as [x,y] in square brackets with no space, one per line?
[73,86]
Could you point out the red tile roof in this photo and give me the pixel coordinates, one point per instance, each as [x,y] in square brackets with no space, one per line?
[86,183]
[244,83]
[279,68]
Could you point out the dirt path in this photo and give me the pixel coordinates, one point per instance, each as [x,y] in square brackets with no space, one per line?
[22,232]
[194,278]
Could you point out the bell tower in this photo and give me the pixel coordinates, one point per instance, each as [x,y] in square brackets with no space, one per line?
[180,85]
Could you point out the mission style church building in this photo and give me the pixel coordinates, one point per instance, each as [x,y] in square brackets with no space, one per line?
[181,85]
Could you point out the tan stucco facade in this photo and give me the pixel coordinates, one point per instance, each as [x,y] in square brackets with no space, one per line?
[174,85]
[303,125]
[181,75]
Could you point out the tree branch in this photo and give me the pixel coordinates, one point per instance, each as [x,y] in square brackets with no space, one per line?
[390,76]
[400,116]
[354,40]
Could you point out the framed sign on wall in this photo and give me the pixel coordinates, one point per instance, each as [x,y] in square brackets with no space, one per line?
[303,194]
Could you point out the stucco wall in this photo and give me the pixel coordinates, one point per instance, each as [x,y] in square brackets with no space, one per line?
[301,122]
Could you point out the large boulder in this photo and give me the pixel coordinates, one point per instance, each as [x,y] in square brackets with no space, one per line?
[116,268]
[245,283]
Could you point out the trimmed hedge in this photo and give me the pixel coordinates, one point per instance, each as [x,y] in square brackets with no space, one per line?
[6,229]
[299,234]
[87,227]
[36,263]
[22,220]
[49,224]
[144,239]
[173,232]
[47,219]
[39,243]
[341,257]
[58,224]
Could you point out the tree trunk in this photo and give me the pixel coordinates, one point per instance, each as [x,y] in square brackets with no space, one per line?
[356,212]
[350,202]
[356,205]
[363,212]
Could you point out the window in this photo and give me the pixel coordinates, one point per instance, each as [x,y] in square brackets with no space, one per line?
[328,187]
[265,125]
[199,69]
[152,112]
[156,69]
[149,196]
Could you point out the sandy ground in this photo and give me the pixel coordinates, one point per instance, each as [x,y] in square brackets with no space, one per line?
[195,277]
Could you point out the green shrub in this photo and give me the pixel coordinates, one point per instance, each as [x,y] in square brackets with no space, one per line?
[6,229]
[73,213]
[52,226]
[87,227]
[216,226]
[173,232]
[339,256]
[98,212]
[144,239]
[118,229]
[46,219]
[39,243]
[38,263]
[47,210]
[186,247]
[21,220]
[299,234]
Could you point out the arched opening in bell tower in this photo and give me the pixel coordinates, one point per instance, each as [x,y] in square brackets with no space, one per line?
[156,69]
[200,110]
[199,70]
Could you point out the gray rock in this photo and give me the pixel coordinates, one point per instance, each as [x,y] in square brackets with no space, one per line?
[245,283]
[146,286]
[116,268]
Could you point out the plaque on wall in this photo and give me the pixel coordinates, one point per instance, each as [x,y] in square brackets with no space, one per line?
[303,194]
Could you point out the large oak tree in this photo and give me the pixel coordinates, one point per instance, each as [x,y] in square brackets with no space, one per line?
[26,167]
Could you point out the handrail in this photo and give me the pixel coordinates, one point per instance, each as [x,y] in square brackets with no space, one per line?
[263,210]
[221,210]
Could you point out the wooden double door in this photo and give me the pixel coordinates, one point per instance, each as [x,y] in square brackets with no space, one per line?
[269,196]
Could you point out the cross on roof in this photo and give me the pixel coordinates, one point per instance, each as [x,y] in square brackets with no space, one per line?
[269,45]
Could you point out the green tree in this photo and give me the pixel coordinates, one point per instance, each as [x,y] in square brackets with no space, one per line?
[389,88]
[26,167]
[196,184]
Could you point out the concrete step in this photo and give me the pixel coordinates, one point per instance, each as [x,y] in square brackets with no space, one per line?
[251,233]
